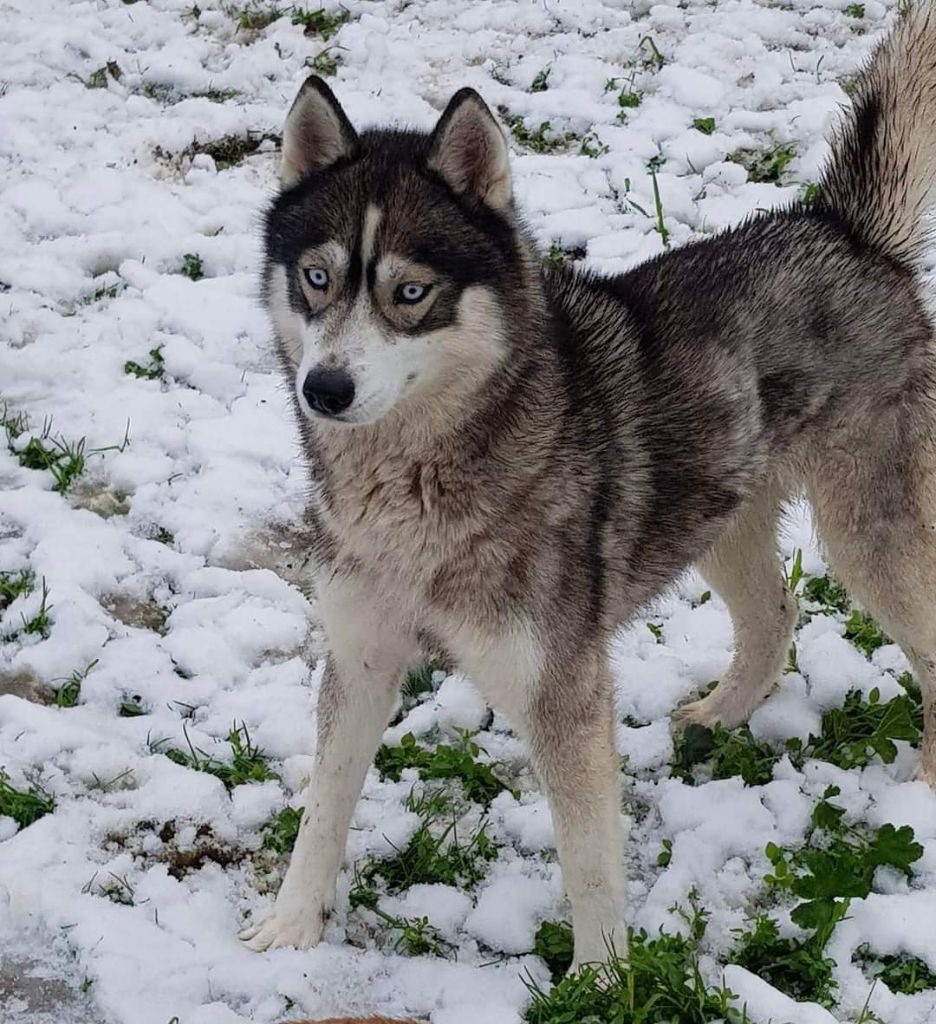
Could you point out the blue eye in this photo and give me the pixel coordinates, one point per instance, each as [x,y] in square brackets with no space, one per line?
[317,278]
[411,292]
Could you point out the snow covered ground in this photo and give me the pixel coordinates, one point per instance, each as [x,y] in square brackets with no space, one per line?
[134,888]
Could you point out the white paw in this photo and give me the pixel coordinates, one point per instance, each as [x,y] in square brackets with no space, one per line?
[709,712]
[299,926]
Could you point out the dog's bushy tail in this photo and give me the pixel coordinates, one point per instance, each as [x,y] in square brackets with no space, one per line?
[882,173]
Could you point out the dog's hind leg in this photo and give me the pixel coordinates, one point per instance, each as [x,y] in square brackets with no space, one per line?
[368,651]
[874,500]
[744,569]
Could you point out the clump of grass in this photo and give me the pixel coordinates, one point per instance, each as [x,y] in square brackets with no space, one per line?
[853,734]
[444,761]
[419,680]
[764,166]
[851,737]
[811,194]
[98,79]
[553,942]
[835,864]
[435,855]
[192,268]
[628,99]
[153,370]
[900,972]
[855,10]
[39,623]
[541,139]
[653,59]
[826,592]
[64,459]
[255,19]
[280,832]
[731,752]
[67,695]
[541,81]
[248,762]
[104,292]
[658,980]
[706,125]
[325,62]
[592,146]
[14,585]
[132,706]
[24,806]
[661,227]
[320,22]
[865,633]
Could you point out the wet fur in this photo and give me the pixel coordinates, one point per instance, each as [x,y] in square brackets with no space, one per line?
[604,435]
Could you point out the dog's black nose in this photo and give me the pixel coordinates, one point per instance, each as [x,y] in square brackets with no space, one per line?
[328,391]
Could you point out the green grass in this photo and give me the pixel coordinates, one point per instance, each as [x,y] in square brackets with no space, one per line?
[416,937]
[592,146]
[192,268]
[835,864]
[248,763]
[104,292]
[435,855]
[661,228]
[653,59]
[855,10]
[153,370]
[68,694]
[900,972]
[731,752]
[764,166]
[14,585]
[706,125]
[553,942]
[65,460]
[541,139]
[418,680]
[324,63]
[865,633]
[319,22]
[659,981]
[280,832]
[444,761]
[98,79]
[541,81]
[827,593]
[132,706]
[628,99]
[850,737]
[255,19]
[811,194]
[24,806]
[39,623]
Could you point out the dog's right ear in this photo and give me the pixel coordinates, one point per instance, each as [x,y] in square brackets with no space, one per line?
[317,132]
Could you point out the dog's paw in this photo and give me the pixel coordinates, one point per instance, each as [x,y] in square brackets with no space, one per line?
[298,926]
[708,712]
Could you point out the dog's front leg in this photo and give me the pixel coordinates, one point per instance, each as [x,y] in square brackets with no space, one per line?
[368,650]
[571,725]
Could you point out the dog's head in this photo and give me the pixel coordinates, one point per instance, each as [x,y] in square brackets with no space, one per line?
[392,257]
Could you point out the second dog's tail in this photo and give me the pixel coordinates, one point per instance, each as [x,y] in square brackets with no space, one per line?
[882,173]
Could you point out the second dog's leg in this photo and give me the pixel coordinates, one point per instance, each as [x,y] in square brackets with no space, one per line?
[571,729]
[744,569]
[368,652]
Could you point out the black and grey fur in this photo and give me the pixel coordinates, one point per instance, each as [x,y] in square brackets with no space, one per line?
[515,462]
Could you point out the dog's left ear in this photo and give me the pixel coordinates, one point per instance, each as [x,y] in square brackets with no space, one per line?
[317,132]
[469,151]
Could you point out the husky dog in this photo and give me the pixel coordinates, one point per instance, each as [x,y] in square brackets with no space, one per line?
[514,461]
